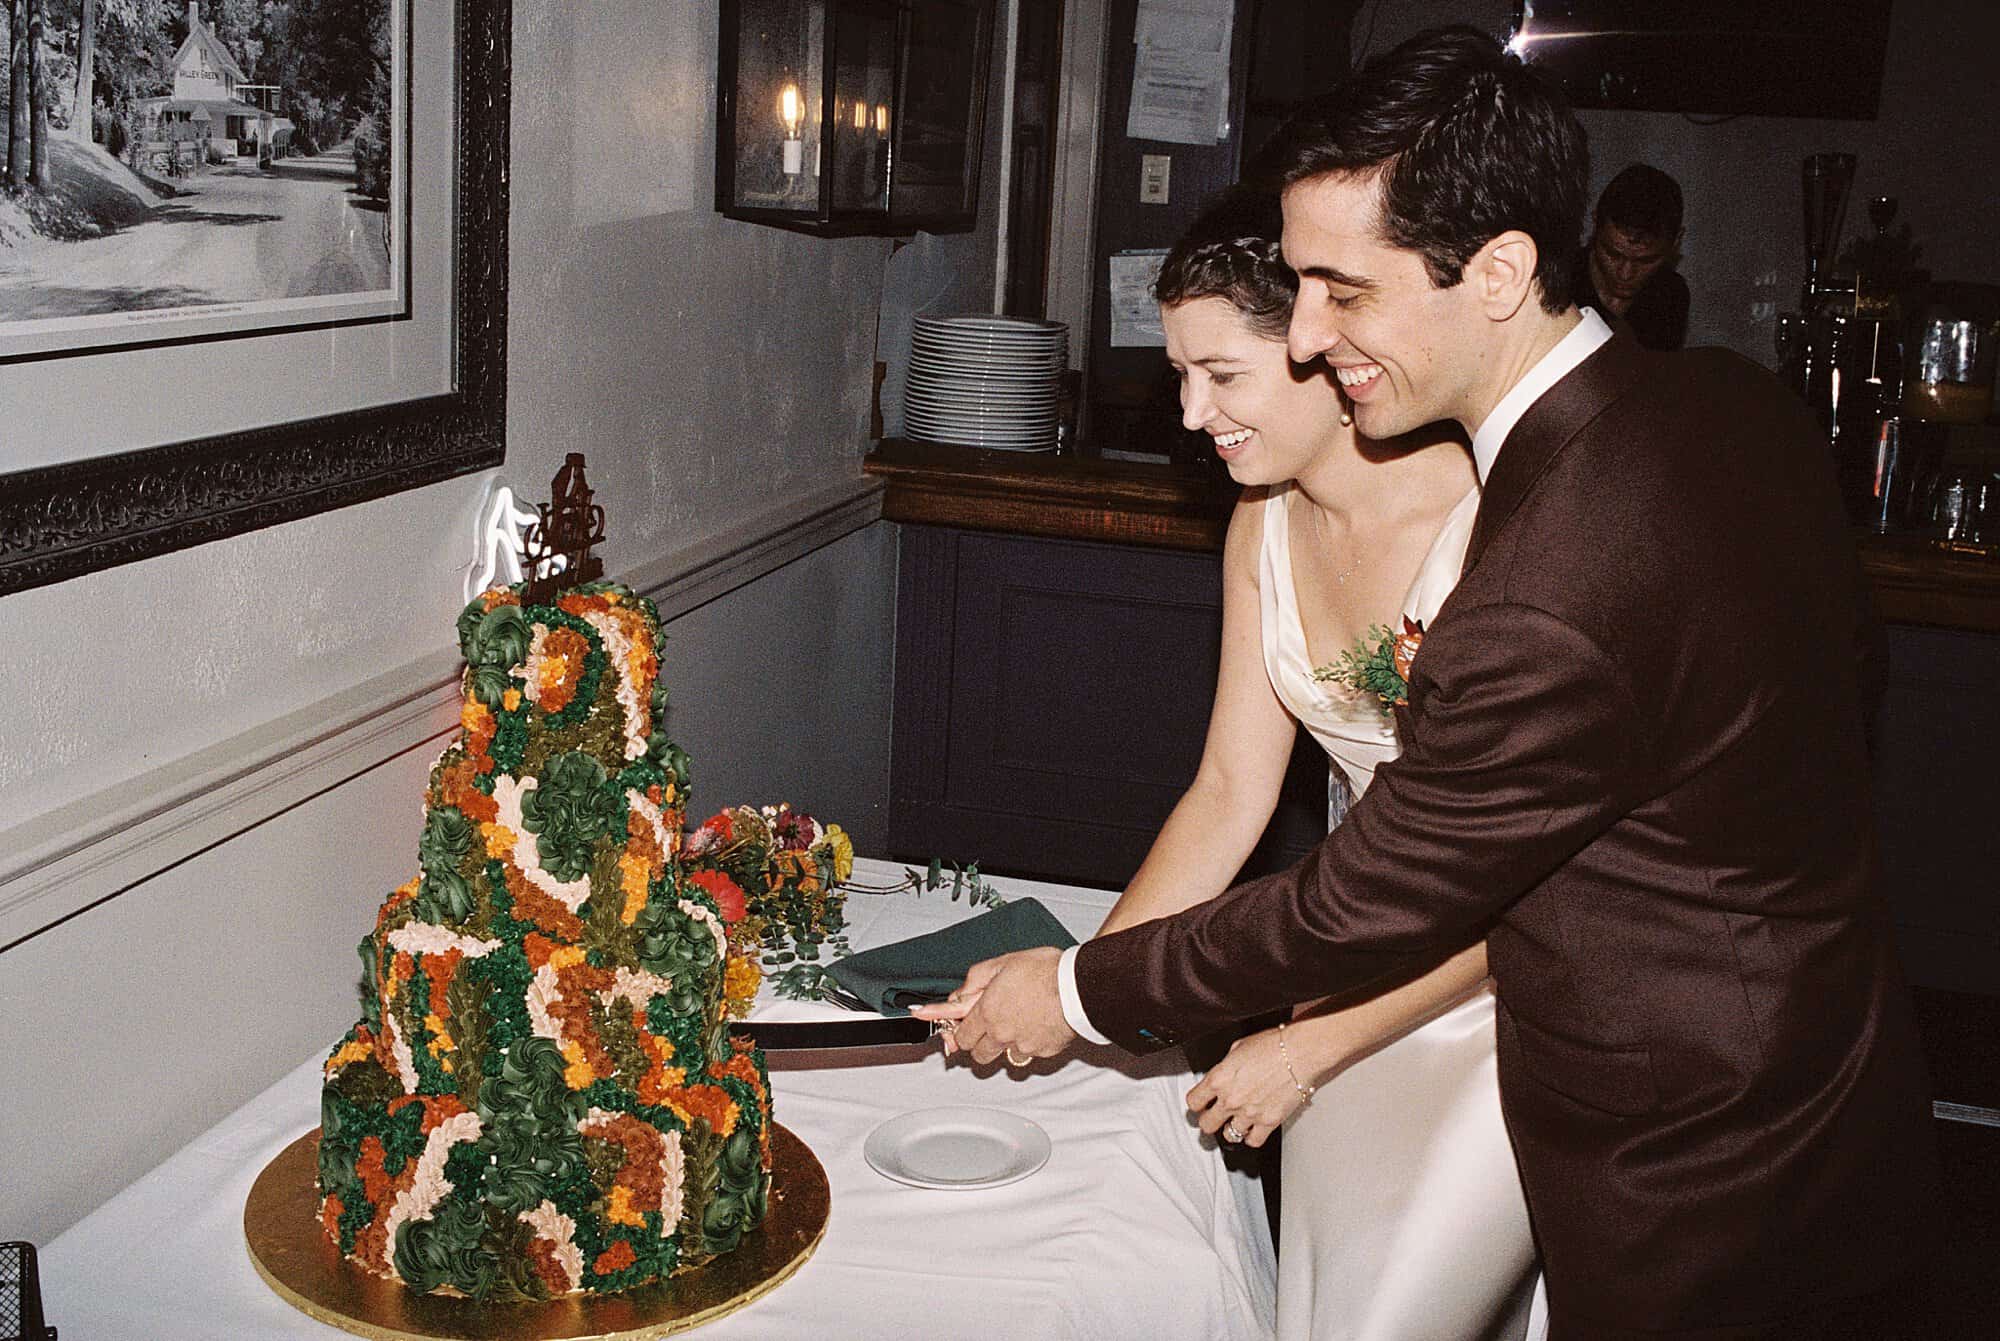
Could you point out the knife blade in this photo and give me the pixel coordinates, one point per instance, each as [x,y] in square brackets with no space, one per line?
[803,1035]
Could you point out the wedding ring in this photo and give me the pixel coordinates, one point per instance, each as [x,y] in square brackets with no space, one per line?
[1230,1133]
[1012,1060]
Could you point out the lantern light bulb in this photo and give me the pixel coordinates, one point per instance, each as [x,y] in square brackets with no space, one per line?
[791,110]
[860,114]
[881,118]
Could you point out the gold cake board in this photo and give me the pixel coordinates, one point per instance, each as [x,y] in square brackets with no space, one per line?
[295,1258]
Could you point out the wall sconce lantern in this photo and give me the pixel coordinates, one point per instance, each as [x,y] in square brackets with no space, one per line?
[843,117]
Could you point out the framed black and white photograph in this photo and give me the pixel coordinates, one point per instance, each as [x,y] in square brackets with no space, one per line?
[265,277]
[216,170]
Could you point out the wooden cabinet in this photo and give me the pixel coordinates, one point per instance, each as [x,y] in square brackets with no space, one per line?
[1052,697]
[1937,804]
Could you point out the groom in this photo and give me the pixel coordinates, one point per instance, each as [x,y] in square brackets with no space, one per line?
[1632,757]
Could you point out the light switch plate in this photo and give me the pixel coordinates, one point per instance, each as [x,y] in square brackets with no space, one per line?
[1154,170]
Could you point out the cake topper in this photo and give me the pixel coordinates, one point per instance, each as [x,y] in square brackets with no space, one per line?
[556,550]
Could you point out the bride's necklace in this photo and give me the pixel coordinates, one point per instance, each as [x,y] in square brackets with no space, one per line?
[1319,524]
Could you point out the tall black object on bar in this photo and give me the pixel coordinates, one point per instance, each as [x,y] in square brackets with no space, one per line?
[1825,179]
[21,1295]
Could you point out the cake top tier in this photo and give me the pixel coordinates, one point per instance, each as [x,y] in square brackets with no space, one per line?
[583,672]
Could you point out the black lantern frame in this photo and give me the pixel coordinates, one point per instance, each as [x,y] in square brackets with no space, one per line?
[926,165]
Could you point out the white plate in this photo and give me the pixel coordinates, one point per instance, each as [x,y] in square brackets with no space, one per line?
[998,386]
[977,401]
[984,340]
[991,325]
[957,430]
[989,349]
[956,1148]
[1003,360]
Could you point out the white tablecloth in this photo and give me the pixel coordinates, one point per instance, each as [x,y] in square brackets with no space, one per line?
[1132,1230]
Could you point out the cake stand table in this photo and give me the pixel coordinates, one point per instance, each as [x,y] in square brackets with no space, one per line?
[1133,1229]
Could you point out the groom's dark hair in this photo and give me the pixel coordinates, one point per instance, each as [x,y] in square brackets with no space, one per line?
[1468,143]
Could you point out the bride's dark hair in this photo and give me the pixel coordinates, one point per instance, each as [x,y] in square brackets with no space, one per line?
[1231,252]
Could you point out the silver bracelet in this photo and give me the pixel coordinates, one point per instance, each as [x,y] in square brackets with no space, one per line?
[1305,1091]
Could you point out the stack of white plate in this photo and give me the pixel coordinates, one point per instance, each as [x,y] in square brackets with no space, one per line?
[985,381]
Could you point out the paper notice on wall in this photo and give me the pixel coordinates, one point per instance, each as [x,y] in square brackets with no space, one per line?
[1186,25]
[1180,79]
[1135,317]
[1180,97]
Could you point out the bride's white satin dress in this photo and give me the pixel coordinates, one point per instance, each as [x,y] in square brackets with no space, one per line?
[1403,1218]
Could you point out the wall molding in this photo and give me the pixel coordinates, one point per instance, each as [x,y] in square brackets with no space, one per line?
[63,863]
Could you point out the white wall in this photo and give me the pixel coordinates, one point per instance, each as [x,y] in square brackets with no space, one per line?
[710,370]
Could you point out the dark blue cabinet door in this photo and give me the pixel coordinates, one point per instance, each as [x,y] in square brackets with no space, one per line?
[1051,702]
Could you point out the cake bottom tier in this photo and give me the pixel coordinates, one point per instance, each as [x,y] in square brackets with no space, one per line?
[293,1255]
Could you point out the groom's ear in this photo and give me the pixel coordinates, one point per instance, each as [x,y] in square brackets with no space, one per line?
[1502,274]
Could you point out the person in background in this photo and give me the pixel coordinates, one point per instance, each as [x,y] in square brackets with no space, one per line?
[1634,242]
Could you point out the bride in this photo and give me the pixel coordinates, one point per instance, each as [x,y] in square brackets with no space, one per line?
[1402,1214]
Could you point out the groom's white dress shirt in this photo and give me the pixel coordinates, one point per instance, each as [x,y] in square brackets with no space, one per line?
[1581,342]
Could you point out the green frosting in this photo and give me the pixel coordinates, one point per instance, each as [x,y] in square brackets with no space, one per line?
[530,1119]
[446,1249]
[492,647]
[569,811]
[680,949]
[447,837]
[739,1194]
[443,897]
[371,991]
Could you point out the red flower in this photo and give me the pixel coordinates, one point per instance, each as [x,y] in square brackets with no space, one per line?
[727,894]
[793,830]
[1407,642]
[715,831]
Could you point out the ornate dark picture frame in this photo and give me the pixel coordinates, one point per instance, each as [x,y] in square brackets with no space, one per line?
[62,521]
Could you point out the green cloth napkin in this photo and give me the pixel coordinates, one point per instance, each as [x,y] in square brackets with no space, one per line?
[892,978]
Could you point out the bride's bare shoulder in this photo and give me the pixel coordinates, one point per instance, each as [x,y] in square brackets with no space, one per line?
[1246,531]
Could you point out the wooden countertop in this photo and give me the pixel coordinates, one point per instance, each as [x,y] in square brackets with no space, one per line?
[1919,582]
[1186,507]
[1058,497]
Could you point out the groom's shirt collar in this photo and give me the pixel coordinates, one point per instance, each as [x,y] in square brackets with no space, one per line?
[1572,349]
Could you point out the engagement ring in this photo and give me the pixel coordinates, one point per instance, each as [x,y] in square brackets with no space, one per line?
[1230,1133]
[1012,1060]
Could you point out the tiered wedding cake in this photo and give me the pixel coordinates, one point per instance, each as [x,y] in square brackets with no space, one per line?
[543,1096]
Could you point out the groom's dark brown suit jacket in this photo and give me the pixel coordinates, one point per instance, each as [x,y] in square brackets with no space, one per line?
[1633,760]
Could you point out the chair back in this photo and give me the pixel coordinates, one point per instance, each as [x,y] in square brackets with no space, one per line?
[21,1295]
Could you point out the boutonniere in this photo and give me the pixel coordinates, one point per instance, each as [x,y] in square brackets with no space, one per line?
[1377,667]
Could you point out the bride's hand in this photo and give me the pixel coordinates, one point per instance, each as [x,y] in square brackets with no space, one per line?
[1248,1094]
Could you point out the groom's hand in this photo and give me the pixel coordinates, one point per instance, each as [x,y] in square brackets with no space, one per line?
[1007,1007]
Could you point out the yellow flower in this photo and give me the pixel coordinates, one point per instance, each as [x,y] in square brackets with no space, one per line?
[634,872]
[511,699]
[564,957]
[843,851]
[348,1052]
[499,838]
[620,1211]
[577,1074]
[442,1042]
[740,979]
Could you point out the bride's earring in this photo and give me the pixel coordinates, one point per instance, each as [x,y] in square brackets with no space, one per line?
[1346,411]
